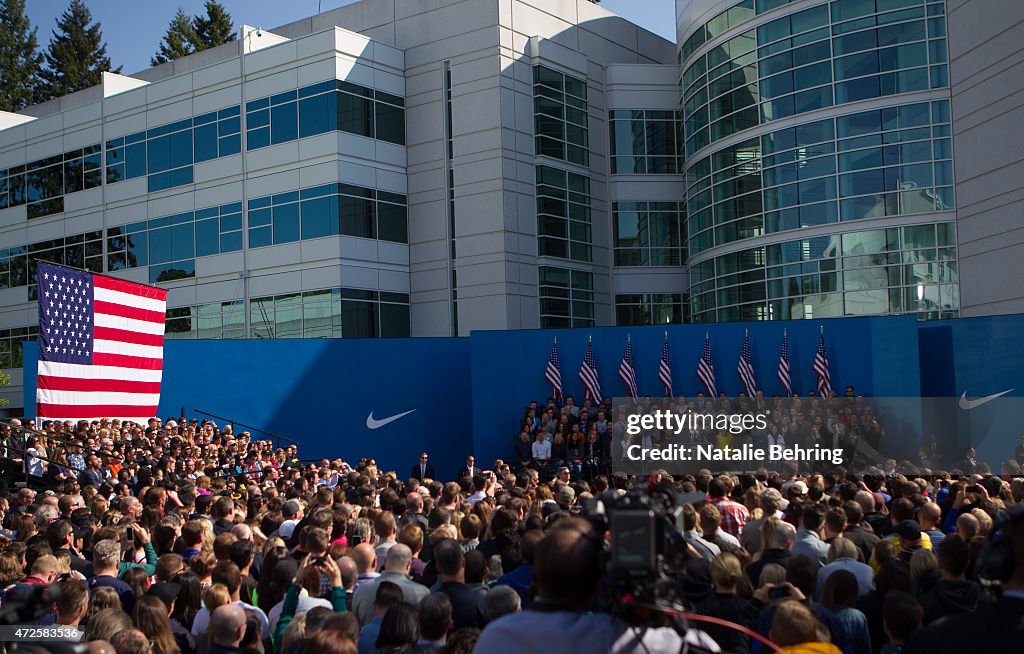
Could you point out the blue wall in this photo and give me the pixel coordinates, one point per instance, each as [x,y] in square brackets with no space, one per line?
[320,392]
[469,393]
[878,356]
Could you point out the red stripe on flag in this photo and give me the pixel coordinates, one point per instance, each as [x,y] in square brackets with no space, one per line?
[74,411]
[104,385]
[126,336]
[114,309]
[125,361]
[131,288]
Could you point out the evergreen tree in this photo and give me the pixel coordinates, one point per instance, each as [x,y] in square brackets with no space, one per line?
[180,40]
[214,28]
[76,56]
[19,56]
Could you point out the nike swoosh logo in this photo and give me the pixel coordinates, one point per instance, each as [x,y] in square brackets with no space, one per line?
[967,405]
[372,423]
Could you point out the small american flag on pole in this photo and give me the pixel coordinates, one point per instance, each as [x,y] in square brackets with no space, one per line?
[665,368]
[784,378]
[745,367]
[626,371]
[588,375]
[101,346]
[821,367]
[706,368]
[553,373]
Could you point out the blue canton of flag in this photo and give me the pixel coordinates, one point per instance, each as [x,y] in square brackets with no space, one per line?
[65,321]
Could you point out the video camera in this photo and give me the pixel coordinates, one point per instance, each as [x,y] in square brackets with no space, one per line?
[647,554]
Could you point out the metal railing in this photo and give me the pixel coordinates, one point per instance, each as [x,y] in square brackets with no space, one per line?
[231,421]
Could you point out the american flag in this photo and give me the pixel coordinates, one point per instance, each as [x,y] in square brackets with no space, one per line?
[101,346]
[665,369]
[784,377]
[745,368]
[588,375]
[626,371]
[553,373]
[706,369]
[821,368]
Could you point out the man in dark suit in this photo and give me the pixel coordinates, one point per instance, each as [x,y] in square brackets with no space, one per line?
[470,469]
[423,470]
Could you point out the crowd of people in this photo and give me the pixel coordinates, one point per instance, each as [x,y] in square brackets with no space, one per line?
[182,537]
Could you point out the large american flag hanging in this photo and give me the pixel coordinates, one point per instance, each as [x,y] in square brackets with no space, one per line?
[784,377]
[101,344]
[588,375]
[553,373]
[627,373]
[706,369]
[665,368]
[745,368]
[821,368]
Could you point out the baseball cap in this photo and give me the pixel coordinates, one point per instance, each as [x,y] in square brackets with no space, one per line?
[780,501]
[909,530]
[165,591]
[566,495]
[290,509]
[287,528]
[170,424]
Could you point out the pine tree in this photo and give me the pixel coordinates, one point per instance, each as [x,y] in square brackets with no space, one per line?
[19,56]
[76,56]
[180,40]
[214,28]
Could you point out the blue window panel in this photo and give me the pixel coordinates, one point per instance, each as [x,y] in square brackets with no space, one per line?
[231,242]
[171,151]
[135,160]
[390,123]
[210,212]
[320,217]
[228,112]
[259,203]
[858,89]
[229,144]
[260,236]
[318,191]
[392,223]
[205,118]
[259,217]
[171,243]
[812,99]
[230,222]
[181,176]
[229,126]
[256,119]
[856,65]
[314,89]
[159,182]
[262,103]
[862,182]
[257,138]
[281,98]
[171,271]
[204,138]
[286,223]
[318,114]
[284,198]
[207,237]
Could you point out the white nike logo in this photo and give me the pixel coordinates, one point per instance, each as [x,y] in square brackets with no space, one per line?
[372,423]
[967,405]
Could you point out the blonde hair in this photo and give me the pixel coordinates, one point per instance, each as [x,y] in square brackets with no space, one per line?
[984,521]
[771,573]
[216,595]
[726,570]
[295,632]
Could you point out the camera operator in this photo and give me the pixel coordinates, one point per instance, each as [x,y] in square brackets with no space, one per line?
[567,577]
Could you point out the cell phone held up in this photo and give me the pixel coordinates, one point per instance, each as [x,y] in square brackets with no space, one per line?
[778,592]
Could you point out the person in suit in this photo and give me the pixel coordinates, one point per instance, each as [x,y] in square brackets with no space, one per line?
[422,470]
[470,469]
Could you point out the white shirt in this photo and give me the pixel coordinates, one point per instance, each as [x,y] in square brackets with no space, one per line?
[35,465]
[305,603]
[541,450]
[202,622]
[476,497]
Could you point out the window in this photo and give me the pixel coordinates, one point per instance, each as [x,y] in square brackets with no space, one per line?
[648,309]
[563,214]
[42,184]
[325,107]
[645,142]
[11,341]
[566,298]
[166,153]
[206,321]
[648,233]
[331,313]
[560,116]
[328,210]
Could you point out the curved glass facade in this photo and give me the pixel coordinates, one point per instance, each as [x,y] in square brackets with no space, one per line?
[743,71]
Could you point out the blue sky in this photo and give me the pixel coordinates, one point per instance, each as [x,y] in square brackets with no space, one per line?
[133,28]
